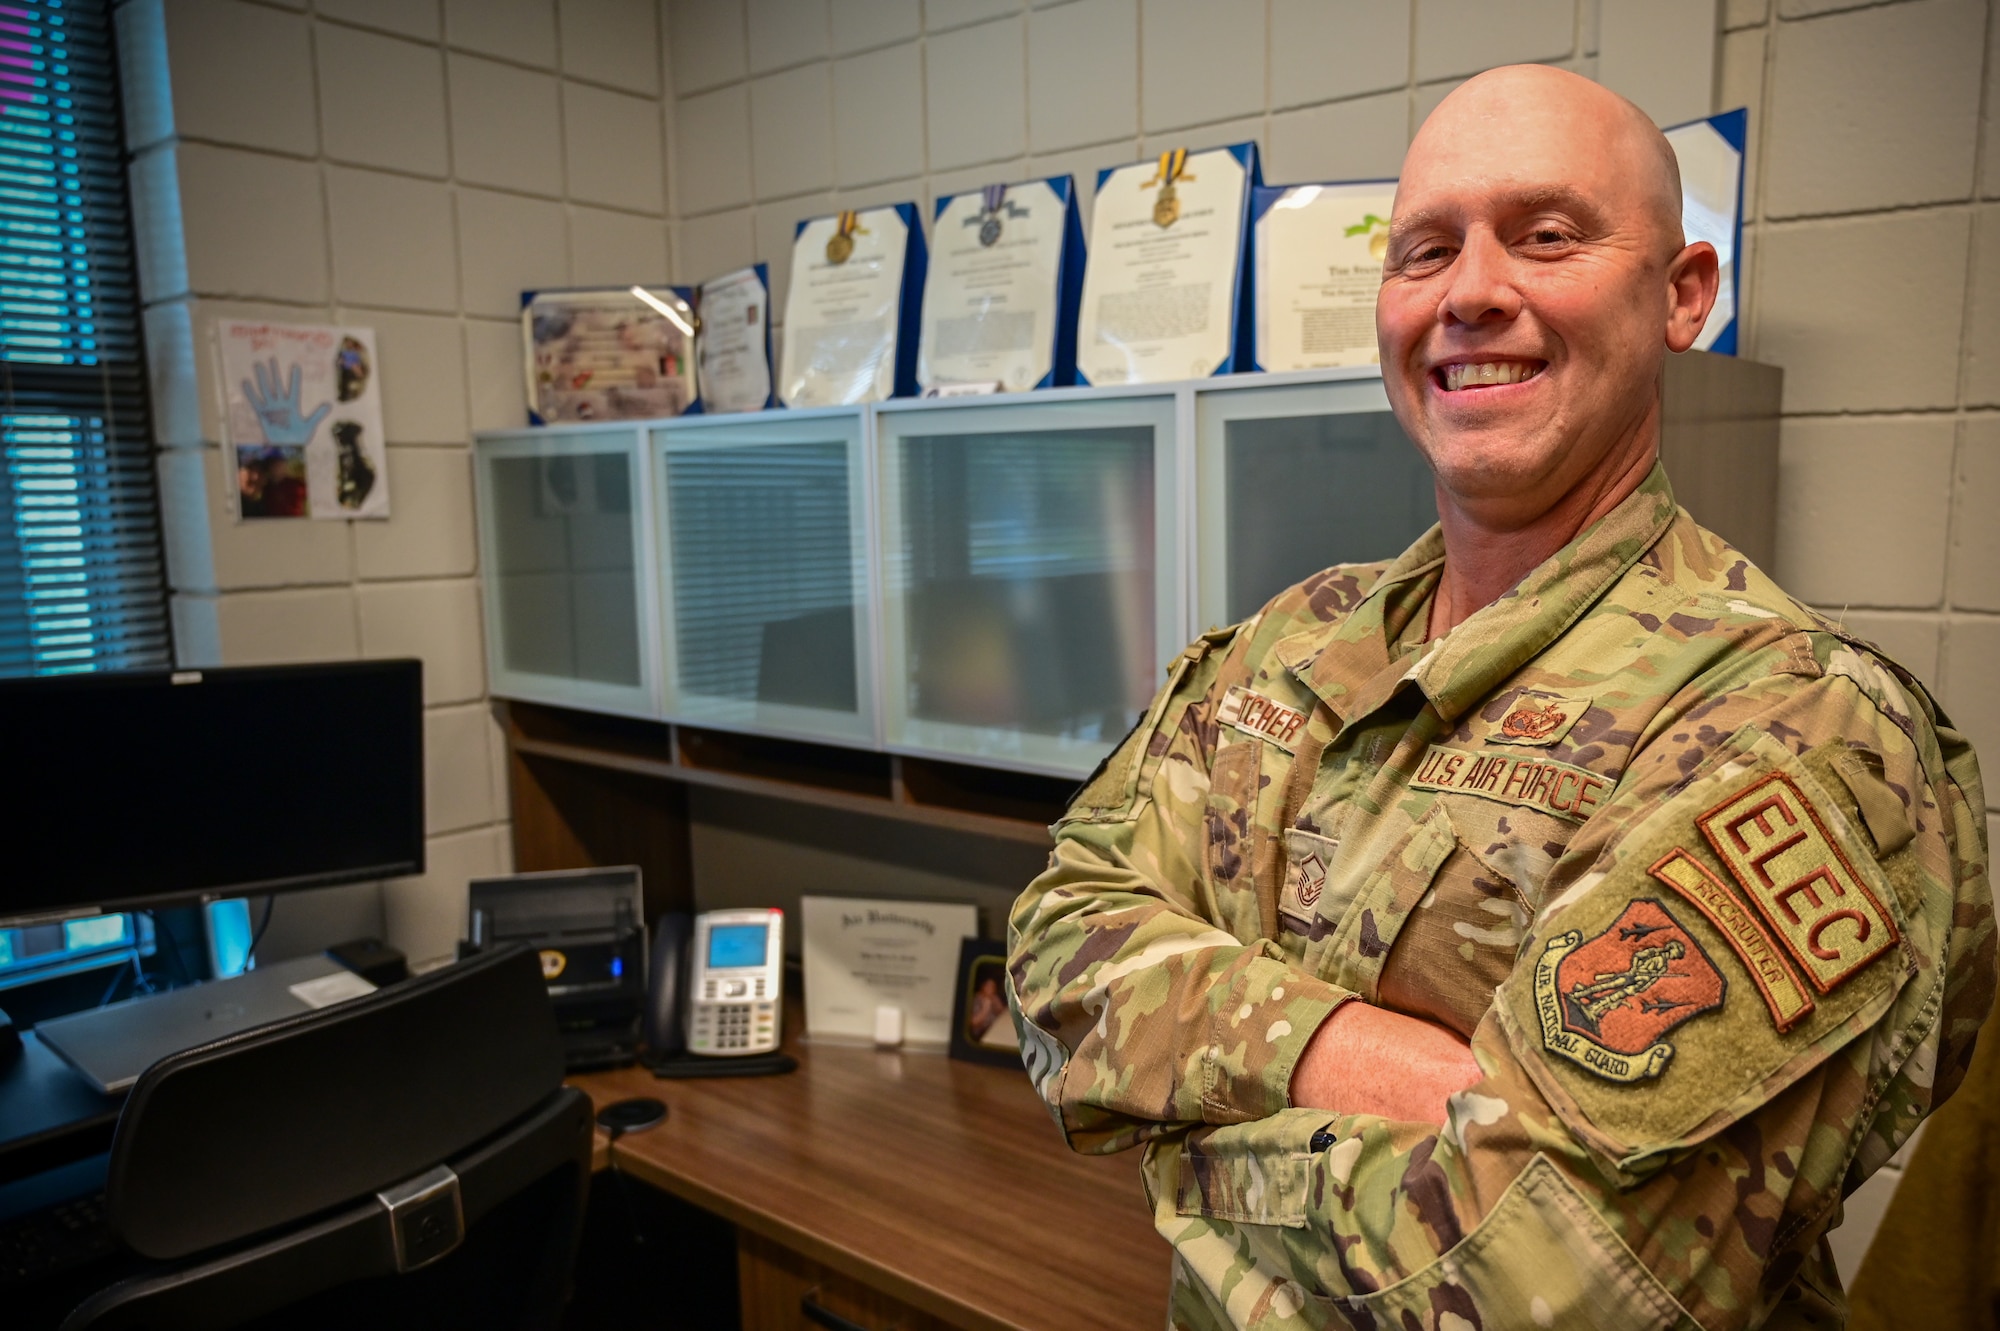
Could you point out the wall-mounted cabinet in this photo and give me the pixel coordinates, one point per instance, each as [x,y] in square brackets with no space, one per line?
[1030,555]
[763,536]
[571,611]
[1293,477]
[979,583]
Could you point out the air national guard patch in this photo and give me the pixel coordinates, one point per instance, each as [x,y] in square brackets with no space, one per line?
[1607,1003]
[1537,718]
[1773,841]
[1266,718]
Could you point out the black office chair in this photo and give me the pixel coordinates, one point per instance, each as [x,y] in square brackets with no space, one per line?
[409,1158]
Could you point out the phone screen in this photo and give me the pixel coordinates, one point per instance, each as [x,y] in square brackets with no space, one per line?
[737,944]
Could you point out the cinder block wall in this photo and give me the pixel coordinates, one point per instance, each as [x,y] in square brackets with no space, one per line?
[409,166]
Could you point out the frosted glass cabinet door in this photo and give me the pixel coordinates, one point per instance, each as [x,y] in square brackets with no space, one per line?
[763,543]
[1293,478]
[563,543]
[1030,562]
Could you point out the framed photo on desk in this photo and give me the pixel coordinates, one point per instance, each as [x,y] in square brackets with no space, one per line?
[982,1030]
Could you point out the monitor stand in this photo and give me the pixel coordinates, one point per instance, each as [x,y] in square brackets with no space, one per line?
[112,1045]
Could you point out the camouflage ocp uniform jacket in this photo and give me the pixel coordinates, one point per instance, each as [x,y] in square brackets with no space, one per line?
[1701,877]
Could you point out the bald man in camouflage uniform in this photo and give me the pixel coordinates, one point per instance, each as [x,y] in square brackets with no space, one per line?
[1547,927]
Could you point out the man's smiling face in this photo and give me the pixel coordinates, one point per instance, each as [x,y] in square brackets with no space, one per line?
[1528,297]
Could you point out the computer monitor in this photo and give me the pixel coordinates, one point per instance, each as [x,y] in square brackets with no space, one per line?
[150,787]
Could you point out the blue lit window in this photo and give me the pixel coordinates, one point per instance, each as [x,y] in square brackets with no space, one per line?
[81,585]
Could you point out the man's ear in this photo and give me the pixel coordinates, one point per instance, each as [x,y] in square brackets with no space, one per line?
[1693,278]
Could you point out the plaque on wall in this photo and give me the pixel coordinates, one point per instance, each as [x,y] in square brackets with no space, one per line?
[1006,269]
[735,341]
[608,354]
[1162,290]
[1710,153]
[1317,252]
[851,313]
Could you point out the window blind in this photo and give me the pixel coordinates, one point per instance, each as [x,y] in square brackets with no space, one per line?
[81,585]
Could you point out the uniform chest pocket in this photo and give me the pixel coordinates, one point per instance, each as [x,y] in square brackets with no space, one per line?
[1381,870]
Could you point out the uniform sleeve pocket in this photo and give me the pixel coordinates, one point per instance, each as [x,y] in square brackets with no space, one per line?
[1256,1173]
[1543,1256]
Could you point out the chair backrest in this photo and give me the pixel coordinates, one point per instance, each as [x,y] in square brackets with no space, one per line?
[353,1145]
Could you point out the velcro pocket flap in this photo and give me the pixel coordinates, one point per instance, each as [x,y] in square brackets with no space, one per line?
[1255,1173]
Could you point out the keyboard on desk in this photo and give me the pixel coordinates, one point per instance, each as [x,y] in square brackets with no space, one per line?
[45,1244]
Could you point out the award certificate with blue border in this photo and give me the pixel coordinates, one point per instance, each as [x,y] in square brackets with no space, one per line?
[1711,158]
[735,342]
[993,298]
[1160,288]
[1319,251]
[844,312]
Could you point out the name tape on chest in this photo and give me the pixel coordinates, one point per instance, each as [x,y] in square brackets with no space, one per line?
[1525,780]
[1773,841]
[1266,718]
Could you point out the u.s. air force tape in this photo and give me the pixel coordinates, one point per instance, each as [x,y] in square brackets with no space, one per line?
[1521,779]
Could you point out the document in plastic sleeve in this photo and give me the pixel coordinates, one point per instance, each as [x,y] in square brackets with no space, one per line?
[993,296]
[736,342]
[1319,252]
[1159,292]
[844,310]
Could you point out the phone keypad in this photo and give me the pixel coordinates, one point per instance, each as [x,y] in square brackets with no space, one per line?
[736,1028]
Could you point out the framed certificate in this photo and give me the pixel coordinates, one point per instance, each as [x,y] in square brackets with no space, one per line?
[735,343]
[1162,291]
[1000,299]
[1317,253]
[608,355]
[851,315]
[1711,157]
[861,955]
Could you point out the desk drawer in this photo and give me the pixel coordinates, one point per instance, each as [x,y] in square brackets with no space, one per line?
[775,1282]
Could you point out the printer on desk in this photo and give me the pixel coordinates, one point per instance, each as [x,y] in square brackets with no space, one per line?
[589,927]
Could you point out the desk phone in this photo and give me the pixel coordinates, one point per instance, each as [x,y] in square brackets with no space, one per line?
[735,979]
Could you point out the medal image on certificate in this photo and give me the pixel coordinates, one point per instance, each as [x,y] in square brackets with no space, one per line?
[1319,252]
[1005,268]
[1160,291]
[735,342]
[850,314]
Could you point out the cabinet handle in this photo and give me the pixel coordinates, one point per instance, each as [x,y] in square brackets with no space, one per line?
[820,1315]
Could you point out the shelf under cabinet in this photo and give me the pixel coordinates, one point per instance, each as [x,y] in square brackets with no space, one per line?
[1010,806]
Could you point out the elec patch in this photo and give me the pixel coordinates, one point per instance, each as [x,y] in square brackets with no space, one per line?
[1774,842]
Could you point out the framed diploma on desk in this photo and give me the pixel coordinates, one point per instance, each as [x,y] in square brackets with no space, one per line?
[863,955]
[851,315]
[1006,269]
[1317,251]
[1162,290]
[735,342]
[1710,153]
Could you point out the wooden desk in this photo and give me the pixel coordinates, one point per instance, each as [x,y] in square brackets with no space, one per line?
[899,1182]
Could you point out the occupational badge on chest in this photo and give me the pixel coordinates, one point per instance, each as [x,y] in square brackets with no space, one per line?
[1266,718]
[1537,719]
[1608,1002]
